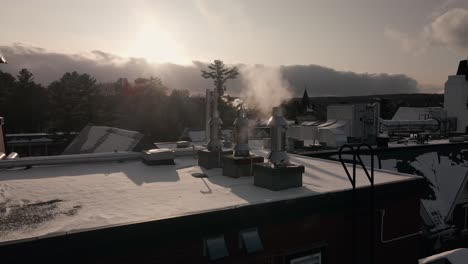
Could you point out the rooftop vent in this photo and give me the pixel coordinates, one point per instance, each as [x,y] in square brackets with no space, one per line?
[215,123]
[215,247]
[158,157]
[250,240]
[12,156]
[241,148]
[279,173]
[278,127]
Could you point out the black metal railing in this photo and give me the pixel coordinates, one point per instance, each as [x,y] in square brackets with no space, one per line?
[352,178]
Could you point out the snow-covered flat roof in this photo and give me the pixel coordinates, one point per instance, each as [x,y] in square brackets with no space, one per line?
[54,200]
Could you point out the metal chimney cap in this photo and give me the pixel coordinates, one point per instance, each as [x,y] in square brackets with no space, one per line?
[277,111]
[277,119]
[241,118]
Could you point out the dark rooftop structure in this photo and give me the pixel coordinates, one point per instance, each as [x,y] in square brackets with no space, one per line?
[122,210]
[463,68]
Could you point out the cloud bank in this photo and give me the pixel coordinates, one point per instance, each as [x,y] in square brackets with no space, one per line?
[48,66]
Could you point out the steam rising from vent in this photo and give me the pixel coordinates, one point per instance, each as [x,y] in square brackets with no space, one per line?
[264,88]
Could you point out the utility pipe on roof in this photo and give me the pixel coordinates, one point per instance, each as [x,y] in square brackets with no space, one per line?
[410,125]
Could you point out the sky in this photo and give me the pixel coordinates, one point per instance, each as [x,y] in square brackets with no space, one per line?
[421,39]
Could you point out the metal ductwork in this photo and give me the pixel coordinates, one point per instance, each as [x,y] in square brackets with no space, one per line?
[215,123]
[278,126]
[431,125]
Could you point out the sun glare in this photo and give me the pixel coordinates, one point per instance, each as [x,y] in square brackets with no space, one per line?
[157,46]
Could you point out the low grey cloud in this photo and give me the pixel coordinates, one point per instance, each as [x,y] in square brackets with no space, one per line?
[105,67]
[449,29]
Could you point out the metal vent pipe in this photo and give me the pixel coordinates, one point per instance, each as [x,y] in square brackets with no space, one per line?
[241,149]
[215,123]
[278,126]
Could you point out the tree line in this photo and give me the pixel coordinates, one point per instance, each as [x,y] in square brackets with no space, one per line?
[77,99]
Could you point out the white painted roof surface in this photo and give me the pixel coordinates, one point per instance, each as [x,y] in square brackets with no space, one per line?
[456,256]
[69,198]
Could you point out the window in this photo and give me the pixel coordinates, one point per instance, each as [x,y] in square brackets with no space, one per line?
[250,240]
[309,259]
[215,247]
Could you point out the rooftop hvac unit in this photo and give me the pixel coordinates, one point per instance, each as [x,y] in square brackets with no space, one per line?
[158,157]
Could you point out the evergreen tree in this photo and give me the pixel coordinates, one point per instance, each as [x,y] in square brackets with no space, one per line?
[7,82]
[220,75]
[28,104]
[74,102]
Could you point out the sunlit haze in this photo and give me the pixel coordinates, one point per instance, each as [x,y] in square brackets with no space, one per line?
[395,37]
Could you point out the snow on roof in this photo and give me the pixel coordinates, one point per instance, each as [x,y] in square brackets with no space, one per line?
[95,139]
[337,126]
[446,180]
[310,123]
[328,123]
[456,256]
[70,198]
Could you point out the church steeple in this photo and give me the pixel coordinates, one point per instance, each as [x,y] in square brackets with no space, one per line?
[305,102]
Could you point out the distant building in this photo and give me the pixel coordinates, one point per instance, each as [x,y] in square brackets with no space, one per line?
[349,124]
[306,109]
[456,97]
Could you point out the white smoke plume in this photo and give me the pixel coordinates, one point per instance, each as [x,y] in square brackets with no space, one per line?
[263,88]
